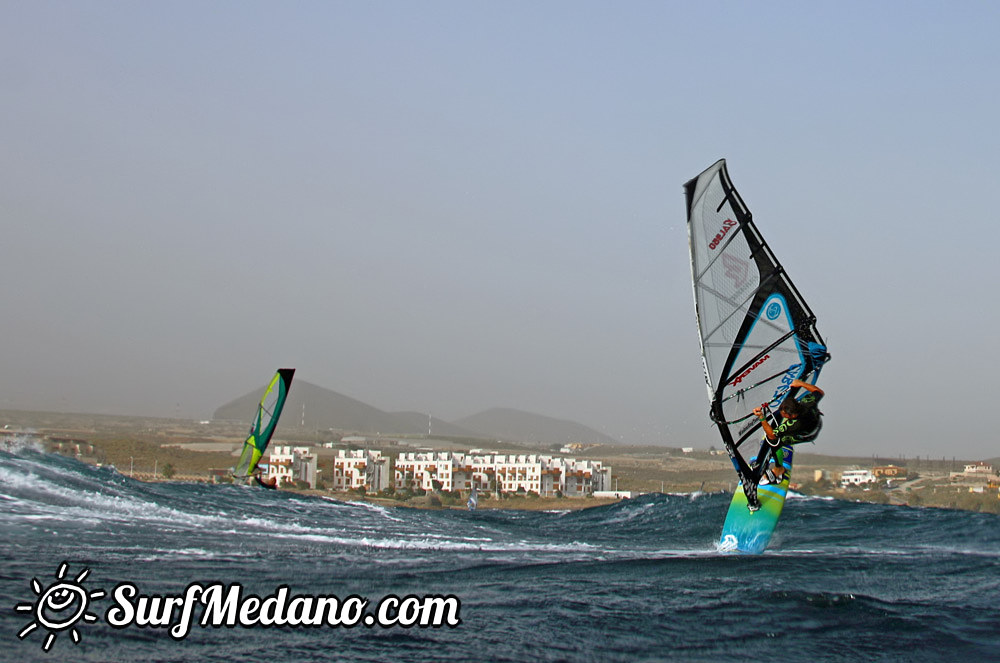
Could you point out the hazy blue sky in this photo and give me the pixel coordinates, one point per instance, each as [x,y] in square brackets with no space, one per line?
[451,206]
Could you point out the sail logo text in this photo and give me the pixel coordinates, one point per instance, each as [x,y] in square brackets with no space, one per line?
[737,269]
[727,225]
[741,376]
[786,383]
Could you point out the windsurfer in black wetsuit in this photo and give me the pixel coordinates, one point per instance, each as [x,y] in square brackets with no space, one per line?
[270,482]
[801,421]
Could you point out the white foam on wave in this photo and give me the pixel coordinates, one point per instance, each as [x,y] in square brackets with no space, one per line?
[792,495]
[37,462]
[682,553]
[95,506]
[43,498]
[87,506]
[629,513]
[375,508]
[17,444]
[94,502]
[161,554]
[94,509]
[728,544]
[427,542]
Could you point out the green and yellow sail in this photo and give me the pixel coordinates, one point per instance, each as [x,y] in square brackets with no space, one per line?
[262,428]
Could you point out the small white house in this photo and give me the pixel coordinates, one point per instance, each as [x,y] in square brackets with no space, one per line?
[856,478]
[617,494]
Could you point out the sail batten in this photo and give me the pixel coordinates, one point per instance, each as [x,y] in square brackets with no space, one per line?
[752,321]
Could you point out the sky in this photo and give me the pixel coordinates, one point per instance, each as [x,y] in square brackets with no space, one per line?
[446,207]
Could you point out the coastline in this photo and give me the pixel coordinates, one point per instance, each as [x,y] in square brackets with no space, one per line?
[520,503]
[511,503]
[175,450]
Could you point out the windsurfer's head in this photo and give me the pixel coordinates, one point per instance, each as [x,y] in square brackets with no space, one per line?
[790,408]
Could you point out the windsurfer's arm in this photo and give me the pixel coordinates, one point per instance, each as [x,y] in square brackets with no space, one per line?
[808,387]
[764,424]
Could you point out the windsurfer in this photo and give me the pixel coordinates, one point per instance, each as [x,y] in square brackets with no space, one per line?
[269,482]
[800,422]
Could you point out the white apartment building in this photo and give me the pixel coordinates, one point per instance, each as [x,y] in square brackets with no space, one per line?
[492,473]
[419,470]
[287,463]
[581,477]
[360,468]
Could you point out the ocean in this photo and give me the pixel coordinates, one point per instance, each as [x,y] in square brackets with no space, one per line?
[87,550]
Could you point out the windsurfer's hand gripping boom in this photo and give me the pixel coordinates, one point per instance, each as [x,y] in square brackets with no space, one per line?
[785,411]
[764,423]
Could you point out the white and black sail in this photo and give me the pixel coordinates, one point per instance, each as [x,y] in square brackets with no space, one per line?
[757,332]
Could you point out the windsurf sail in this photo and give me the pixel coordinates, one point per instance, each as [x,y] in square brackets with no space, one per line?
[757,332]
[262,428]
[473,502]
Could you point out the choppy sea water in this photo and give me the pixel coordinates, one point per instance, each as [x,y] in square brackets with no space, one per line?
[641,580]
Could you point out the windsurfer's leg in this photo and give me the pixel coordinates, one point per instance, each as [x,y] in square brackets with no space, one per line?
[779,463]
[753,502]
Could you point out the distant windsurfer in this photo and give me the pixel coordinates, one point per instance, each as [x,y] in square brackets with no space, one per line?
[801,421]
[269,482]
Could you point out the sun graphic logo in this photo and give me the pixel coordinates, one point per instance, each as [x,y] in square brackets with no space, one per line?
[60,606]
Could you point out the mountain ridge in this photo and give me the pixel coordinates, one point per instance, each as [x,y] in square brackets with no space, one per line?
[516,424]
[312,406]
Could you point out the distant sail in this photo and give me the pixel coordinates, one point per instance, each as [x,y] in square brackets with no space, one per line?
[262,428]
[757,332]
[473,502]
